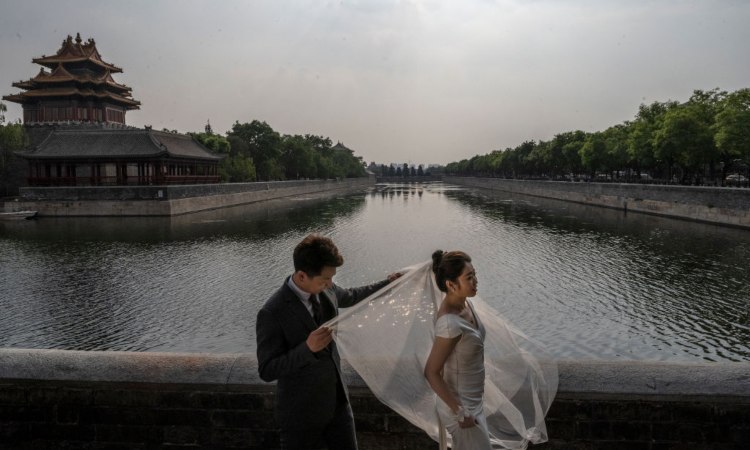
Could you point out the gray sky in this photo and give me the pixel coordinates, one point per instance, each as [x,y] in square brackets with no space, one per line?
[397,81]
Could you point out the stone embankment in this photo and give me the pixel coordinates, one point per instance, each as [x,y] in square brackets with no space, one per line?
[167,200]
[118,400]
[717,205]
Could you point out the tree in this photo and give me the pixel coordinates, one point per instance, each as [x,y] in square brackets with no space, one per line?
[237,166]
[214,142]
[594,152]
[298,157]
[732,128]
[683,138]
[616,142]
[13,138]
[641,137]
[264,147]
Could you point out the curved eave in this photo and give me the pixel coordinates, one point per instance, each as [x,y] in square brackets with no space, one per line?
[28,84]
[35,83]
[31,96]
[15,98]
[51,62]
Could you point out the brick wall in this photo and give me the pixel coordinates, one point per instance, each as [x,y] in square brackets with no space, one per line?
[169,200]
[119,400]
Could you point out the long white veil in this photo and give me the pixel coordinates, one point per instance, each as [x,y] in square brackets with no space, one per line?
[387,337]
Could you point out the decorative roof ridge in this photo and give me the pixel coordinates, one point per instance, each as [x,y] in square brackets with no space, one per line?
[169,133]
[60,70]
[78,126]
[77,52]
[72,129]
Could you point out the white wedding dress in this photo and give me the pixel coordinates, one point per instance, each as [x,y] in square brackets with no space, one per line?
[387,338]
[464,374]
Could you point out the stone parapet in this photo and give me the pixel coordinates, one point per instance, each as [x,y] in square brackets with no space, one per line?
[717,205]
[76,399]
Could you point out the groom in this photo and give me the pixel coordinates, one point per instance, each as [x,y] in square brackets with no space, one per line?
[312,402]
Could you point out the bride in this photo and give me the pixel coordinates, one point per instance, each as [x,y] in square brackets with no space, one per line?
[455,367]
[407,330]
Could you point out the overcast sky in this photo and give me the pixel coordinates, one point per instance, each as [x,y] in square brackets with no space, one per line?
[396,81]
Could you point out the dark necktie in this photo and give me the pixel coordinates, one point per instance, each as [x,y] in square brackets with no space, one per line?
[316,308]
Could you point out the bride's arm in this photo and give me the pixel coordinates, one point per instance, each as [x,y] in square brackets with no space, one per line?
[433,372]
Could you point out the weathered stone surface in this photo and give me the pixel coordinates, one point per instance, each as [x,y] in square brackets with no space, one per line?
[113,400]
[726,206]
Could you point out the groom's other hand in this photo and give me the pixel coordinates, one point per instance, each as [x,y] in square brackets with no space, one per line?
[394,276]
[319,339]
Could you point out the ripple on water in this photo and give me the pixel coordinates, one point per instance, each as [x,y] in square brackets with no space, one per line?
[586,282]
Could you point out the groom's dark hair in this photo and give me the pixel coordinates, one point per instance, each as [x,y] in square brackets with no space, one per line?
[314,253]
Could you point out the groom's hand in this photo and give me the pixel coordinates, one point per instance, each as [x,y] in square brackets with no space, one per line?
[319,339]
[394,276]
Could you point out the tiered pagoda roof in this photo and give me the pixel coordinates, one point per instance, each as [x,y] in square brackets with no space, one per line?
[77,76]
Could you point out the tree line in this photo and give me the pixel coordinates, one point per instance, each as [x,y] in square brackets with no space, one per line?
[256,152]
[12,139]
[402,171]
[705,140]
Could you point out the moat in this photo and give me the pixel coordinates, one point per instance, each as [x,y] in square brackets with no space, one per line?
[588,282]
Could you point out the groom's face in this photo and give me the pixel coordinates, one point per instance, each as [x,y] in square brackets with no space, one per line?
[318,283]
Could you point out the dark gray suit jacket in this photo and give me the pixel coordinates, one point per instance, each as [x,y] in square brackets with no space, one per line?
[306,382]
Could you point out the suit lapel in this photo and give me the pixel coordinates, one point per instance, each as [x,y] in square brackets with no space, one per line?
[326,306]
[298,308]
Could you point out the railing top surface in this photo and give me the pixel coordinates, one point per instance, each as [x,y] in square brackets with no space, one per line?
[580,377]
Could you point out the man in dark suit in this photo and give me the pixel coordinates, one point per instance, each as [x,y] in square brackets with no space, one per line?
[312,402]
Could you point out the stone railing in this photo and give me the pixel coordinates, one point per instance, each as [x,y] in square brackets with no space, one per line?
[74,399]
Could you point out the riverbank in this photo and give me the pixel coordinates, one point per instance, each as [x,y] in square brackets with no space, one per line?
[167,200]
[75,399]
[715,205]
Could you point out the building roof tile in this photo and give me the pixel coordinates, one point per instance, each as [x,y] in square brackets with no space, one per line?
[117,144]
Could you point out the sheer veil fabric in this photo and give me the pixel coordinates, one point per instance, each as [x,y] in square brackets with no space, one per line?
[387,337]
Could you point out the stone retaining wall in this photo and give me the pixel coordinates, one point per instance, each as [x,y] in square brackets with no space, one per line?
[166,200]
[725,206]
[122,400]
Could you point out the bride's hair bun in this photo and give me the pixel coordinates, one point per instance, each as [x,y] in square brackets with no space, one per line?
[437,257]
[447,266]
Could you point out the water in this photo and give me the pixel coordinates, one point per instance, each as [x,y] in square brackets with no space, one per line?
[586,282]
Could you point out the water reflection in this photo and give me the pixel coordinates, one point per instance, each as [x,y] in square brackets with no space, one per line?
[587,282]
[251,220]
[656,281]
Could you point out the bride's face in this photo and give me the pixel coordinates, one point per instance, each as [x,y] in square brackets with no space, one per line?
[466,283]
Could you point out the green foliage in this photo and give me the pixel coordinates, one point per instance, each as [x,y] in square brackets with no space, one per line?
[256,151]
[709,130]
[593,152]
[214,142]
[264,147]
[237,165]
[732,126]
[298,156]
[13,138]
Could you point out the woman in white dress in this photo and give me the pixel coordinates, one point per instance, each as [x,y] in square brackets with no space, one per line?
[455,367]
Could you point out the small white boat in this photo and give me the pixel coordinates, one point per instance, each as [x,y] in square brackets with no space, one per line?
[17,215]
